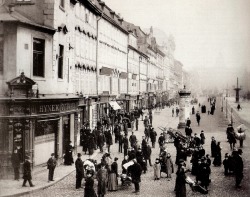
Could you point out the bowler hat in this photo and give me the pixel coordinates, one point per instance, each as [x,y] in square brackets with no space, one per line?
[52,154]
[79,154]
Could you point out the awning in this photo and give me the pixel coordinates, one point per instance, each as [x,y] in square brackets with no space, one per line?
[123,75]
[114,105]
[134,76]
[106,71]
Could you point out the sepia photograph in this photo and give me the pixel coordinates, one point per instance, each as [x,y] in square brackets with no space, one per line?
[124,98]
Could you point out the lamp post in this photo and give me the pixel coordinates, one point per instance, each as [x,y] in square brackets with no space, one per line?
[237,91]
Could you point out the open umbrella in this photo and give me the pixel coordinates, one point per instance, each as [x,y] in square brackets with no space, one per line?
[242,127]
[241,135]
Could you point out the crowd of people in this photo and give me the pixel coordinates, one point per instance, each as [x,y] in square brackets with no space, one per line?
[191,156]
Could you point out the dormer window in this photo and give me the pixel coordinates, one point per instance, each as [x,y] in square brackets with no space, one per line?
[112,13]
[102,3]
[120,20]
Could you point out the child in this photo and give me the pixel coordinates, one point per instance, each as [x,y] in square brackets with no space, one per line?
[157,169]
[226,164]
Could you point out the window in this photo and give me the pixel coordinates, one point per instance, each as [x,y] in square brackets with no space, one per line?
[38,57]
[60,61]
[1,52]
[87,13]
[23,1]
[62,3]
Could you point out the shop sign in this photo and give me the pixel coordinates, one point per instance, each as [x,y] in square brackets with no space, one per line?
[48,108]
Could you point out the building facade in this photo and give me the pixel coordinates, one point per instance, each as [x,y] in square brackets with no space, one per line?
[61,65]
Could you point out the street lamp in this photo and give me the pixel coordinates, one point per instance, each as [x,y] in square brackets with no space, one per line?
[237,90]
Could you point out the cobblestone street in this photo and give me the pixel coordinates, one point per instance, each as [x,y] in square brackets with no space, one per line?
[220,185]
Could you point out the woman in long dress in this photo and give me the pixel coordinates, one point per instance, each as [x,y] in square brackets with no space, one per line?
[217,159]
[89,186]
[112,176]
[102,176]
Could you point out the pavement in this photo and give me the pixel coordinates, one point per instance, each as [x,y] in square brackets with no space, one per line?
[64,184]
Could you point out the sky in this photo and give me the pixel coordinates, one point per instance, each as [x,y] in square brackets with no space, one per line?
[208,33]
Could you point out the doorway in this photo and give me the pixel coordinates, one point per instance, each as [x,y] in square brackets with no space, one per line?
[66,132]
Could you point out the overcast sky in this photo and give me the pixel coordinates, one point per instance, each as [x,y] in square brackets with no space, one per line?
[207,32]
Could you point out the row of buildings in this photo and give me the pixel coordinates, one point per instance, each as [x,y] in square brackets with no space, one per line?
[67,62]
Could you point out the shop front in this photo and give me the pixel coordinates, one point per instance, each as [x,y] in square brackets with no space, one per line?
[36,127]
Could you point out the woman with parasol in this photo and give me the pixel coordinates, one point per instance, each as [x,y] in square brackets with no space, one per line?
[241,135]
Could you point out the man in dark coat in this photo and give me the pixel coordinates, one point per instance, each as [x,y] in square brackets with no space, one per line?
[188,131]
[147,132]
[51,165]
[84,140]
[27,172]
[91,143]
[180,183]
[202,136]
[120,140]
[68,157]
[117,131]
[109,140]
[150,118]
[143,143]
[100,140]
[136,124]
[125,145]
[96,133]
[147,154]
[153,135]
[213,147]
[15,160]
[198,118]
[231,136]
[188,123]
[197,140]
[161,140]
[146,121]
[238,169]
[79,171]
[205,172]
[135,170]
[132,140]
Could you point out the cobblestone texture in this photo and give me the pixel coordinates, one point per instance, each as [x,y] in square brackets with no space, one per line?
[220,185]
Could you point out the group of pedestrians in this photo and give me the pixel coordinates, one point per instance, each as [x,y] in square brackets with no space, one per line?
[137,155]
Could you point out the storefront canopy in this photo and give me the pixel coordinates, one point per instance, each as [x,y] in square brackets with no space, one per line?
[114,105]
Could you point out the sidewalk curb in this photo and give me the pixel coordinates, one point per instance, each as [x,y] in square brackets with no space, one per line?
[35,190]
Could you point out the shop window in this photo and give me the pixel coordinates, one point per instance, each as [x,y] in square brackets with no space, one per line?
[45,127]
[60,61]
[38,57]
